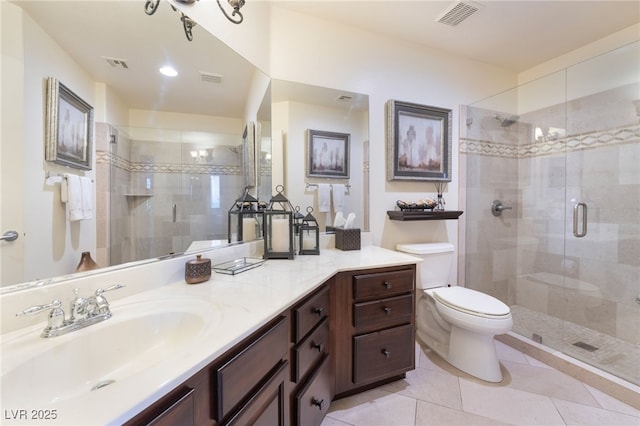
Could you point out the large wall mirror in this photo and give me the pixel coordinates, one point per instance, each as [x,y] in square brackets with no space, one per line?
[168,151]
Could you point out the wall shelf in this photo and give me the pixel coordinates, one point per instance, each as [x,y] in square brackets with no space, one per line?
[423,215]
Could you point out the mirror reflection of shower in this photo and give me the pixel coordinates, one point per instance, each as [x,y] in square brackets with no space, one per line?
[507,121]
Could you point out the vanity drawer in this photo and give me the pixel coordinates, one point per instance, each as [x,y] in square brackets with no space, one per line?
[383,354]
[237,377]
[310,350]
[383,312]
[311,402]
[382,284]
[310,313]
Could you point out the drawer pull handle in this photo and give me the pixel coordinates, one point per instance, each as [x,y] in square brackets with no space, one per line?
[387,285]
[386,353]
[317,402]
[387,311]
[318,311]
[317,346]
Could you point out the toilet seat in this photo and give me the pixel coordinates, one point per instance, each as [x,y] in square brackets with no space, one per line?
[471,302]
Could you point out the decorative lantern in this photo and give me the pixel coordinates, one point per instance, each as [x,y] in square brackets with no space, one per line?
[278,227]
[297,221]
[309,234]
[245,219]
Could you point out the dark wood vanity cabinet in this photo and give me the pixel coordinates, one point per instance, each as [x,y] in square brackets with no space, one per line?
[354,332]
[372,327]
[310,353]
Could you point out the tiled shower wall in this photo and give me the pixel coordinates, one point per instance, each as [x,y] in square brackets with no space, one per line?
[529,256]
[146,179]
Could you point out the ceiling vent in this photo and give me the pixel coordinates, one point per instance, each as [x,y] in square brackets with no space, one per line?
[208,77]
[458,12]
[116,62]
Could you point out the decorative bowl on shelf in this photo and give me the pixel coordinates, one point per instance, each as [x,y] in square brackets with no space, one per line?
[420,205]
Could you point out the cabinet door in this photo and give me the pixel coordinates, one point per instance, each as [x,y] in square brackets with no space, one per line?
[383,354]
[268,405]
[310,350]
[175,409]
[312,400]
[239,375]
[383,313]
[382,284]
[310,313]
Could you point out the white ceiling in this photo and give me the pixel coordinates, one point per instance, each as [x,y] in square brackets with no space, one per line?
[515,35]
[511,34]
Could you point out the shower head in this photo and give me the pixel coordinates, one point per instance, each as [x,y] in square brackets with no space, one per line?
[507,121]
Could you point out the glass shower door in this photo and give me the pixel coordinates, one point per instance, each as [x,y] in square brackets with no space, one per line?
[601,320]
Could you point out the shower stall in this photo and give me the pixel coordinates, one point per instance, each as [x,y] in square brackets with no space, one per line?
[550,186]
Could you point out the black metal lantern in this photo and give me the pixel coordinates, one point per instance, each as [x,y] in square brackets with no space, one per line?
[309,234]
[278,227]
[245,219]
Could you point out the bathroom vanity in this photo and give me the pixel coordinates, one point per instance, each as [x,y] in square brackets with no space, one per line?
[274,345]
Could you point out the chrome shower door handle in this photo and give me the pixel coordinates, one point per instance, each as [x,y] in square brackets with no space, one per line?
[9,236]
[576,213]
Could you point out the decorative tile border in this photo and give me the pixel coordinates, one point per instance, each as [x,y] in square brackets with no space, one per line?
[622,135]
[103,157]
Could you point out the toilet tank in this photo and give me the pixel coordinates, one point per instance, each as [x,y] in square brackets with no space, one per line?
[434,269]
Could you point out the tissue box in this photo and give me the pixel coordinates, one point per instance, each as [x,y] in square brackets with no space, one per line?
[347,239]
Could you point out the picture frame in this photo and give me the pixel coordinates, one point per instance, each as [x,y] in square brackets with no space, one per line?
[328,154]
[68,127]
[418,142]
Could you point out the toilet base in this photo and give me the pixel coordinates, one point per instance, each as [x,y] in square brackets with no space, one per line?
[474,353]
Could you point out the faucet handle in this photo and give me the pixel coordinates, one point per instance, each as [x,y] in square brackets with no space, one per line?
[110,288]
[56,316]
[56,304]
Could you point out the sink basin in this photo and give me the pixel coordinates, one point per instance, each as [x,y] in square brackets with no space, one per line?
[38,371]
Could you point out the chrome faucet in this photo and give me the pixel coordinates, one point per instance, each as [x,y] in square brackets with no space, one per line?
[84,311]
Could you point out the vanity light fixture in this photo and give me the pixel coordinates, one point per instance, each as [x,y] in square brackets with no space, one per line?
[236,17]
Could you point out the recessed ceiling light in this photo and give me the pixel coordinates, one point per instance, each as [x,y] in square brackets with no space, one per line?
[169,71]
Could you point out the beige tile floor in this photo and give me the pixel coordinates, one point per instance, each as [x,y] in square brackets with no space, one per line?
[435,393]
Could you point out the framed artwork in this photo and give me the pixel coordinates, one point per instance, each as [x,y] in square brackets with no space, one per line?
[68,127]
[328,154]
[418,142]
[249,155]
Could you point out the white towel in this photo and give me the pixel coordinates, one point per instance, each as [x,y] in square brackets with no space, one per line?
[73,191]
[338,198]
[324,197]
[87,197]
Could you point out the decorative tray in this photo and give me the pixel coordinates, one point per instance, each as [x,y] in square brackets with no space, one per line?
[237,266]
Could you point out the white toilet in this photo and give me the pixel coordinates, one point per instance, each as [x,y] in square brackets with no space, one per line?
[456,322]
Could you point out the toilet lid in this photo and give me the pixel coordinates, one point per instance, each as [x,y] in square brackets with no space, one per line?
[471,301]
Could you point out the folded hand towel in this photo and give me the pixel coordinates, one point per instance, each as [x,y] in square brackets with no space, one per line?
[74,197]
[338,197]
[324,197]
[87,197]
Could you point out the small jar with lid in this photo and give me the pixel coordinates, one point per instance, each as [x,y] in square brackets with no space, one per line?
[197,270]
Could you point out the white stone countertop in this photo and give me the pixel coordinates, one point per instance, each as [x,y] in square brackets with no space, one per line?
[237,306]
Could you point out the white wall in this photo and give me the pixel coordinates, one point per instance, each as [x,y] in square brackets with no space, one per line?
[323,53]
[43,212]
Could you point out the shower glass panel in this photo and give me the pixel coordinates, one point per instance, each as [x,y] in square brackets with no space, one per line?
[169,189]
[566,258]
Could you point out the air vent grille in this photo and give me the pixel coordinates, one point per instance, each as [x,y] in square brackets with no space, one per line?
[208,77]
[458,12]
[116,62]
